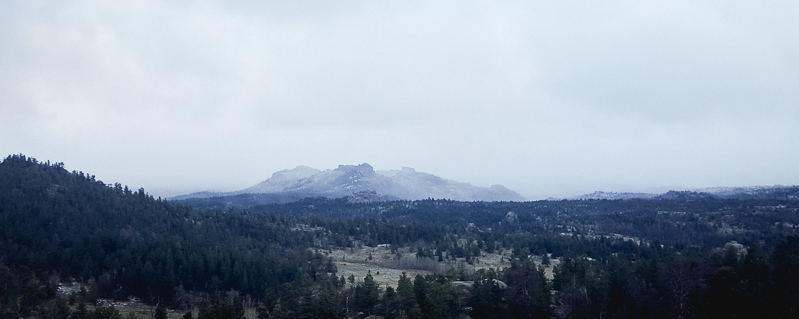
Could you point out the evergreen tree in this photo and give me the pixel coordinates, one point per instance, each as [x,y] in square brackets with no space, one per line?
[160,311]
[105,313]
[224,310]
[367,294]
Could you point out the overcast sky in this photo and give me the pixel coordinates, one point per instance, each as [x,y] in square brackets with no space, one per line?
[548,98]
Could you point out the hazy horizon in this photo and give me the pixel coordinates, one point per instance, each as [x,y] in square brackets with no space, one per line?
[166,193]
[549,99]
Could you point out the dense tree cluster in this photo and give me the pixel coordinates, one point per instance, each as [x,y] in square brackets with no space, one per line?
[57,223]
[699,222]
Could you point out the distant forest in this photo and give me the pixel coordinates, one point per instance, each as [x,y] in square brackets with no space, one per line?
[681,256]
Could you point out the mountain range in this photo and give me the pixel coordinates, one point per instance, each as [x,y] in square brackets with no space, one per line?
[406,183]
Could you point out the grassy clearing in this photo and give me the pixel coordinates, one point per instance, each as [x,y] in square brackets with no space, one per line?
[360,261]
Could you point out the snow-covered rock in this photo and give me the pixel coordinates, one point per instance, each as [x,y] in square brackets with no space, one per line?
[345,180]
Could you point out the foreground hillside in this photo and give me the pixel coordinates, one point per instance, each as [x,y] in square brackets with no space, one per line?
[63,226]
[683,257]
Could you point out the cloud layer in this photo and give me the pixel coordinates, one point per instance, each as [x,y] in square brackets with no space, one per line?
[547,98]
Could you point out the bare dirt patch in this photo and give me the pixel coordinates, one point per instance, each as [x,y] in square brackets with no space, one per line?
[383,276]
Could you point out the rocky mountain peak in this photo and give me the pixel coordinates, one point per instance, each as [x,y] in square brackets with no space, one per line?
[345,180]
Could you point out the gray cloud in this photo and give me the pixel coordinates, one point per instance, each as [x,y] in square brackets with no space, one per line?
[547,98]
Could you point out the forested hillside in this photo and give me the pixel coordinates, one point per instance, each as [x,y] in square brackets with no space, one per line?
[70,225]
[682,219]
[668,258]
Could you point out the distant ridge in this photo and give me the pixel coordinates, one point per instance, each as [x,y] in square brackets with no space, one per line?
[614,195]
[747,192]
[407,183]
